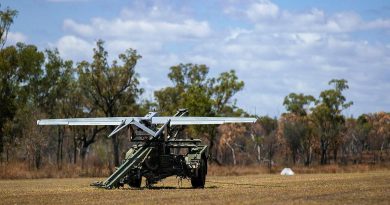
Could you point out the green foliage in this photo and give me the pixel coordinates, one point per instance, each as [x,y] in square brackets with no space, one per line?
[333,99]
[6,19]
[269,128]
[293,133]
[330,105]
[298,103]
[20,72]
[363,126]
[110,90]
[192,90]
[296,128]
[201,95]
[328,117]
[298,135]
[268,124]
[57,86]
[226,86]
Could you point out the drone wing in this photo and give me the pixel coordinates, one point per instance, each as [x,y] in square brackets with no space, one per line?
[155,120]
[86,121]
[202,120]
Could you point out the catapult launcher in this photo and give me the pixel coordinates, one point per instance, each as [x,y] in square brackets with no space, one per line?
[159,147]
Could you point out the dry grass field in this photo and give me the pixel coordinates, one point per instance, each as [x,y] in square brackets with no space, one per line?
[348,188]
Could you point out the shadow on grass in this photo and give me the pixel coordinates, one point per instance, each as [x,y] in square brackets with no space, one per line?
[168,187]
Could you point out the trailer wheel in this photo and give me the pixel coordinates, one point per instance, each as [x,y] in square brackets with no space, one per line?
[200,180]
[134,181]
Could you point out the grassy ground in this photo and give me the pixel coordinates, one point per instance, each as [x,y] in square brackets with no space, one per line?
[347,188]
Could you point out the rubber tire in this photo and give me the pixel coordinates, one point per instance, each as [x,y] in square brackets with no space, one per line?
[135,181]
[200,180]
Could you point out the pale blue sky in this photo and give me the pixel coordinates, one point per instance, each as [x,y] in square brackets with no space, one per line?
[277,47]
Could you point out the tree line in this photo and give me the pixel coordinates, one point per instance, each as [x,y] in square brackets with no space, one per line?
[36,84]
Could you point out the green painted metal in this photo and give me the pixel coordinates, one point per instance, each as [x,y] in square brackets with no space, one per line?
[134,161]
[157,151]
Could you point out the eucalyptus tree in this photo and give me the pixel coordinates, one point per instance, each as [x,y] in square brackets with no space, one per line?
[6,19]
[111,89]
[379,135]
[328,117]
[20,74]
[56,90]
[271,142]
[298,104]
[362,130]
[200,94]
[191,89]
[296,125]
[229,136]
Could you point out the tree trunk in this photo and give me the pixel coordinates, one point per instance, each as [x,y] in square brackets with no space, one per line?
[85,142]
[84,148]
[308,157]
[270,155]
[294,156]
[211,147]
[361,153]
[233,153]
[259,153]
[74,147]
[344,155]
[7,154]
[1,144]
[323,156]
[324,148]
[115,147]
[59,148]
[38,158]
[212,153]
[83,154]
[380,154]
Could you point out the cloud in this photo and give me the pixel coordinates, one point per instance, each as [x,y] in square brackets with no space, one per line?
[72,47]
[274,50]
[159,10]
[262,10]
[152,30]
[378,23]
[140,29]
[15,37]
[83,30]
[268,17]
[300,52]
[119,46]
[64,1]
